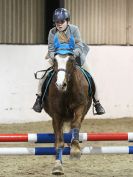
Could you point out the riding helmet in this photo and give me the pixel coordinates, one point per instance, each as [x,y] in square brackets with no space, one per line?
[61,14]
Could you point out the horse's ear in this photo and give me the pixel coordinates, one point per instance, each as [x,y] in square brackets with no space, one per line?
[55,56]
[73,57]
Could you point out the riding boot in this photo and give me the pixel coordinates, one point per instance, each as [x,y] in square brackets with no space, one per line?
[37,107]
[98,108]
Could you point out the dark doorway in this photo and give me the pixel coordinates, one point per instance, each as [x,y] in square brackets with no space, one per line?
[50,6]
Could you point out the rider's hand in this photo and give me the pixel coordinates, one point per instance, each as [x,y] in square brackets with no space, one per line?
[49,55]
[77,52]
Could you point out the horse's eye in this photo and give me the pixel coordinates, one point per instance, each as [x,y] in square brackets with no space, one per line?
[72,60]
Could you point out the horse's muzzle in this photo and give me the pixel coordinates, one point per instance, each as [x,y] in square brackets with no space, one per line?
[61,87]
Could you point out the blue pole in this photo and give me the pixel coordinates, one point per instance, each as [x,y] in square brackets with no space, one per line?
[50,151]
[50,138]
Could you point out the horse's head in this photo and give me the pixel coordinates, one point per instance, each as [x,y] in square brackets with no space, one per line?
[64,66]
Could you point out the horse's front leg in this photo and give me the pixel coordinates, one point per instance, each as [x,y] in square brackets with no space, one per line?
[59,145]
[75,127]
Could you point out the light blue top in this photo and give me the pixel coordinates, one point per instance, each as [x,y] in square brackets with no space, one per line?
[64,48]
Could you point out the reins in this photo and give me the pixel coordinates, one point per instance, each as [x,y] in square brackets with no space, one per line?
[45,72]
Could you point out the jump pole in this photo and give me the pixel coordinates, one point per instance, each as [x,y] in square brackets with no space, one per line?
[50,137]
[51,150]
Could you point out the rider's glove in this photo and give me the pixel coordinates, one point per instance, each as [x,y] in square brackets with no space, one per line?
[76,52]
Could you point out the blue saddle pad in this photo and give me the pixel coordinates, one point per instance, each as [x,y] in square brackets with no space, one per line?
[88,78]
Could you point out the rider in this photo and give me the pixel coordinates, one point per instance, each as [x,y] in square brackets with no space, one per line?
[64,29]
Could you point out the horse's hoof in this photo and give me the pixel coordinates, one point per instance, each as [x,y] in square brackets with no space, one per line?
[58,169]
[75,154]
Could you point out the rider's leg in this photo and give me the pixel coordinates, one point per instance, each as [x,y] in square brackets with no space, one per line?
[38,103]
[98,107]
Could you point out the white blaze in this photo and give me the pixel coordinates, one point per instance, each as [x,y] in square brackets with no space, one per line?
[61,65]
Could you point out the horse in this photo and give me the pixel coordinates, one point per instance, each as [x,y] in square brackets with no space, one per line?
[68,100]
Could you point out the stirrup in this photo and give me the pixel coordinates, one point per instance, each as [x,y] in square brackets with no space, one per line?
[93,110]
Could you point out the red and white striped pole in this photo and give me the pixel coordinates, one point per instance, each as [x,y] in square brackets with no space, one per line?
[50,137]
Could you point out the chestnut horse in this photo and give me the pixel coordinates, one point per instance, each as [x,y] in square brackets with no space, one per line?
[67,100]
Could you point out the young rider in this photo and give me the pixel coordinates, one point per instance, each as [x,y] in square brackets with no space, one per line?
[63,29]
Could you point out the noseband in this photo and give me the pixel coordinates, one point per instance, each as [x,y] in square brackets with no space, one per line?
[61,69]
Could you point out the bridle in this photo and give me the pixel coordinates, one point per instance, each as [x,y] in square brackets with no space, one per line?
[62,69]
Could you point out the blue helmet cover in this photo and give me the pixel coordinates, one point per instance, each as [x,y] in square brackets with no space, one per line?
[64,52]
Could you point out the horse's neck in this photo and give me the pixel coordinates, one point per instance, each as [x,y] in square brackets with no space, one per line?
[74,81]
